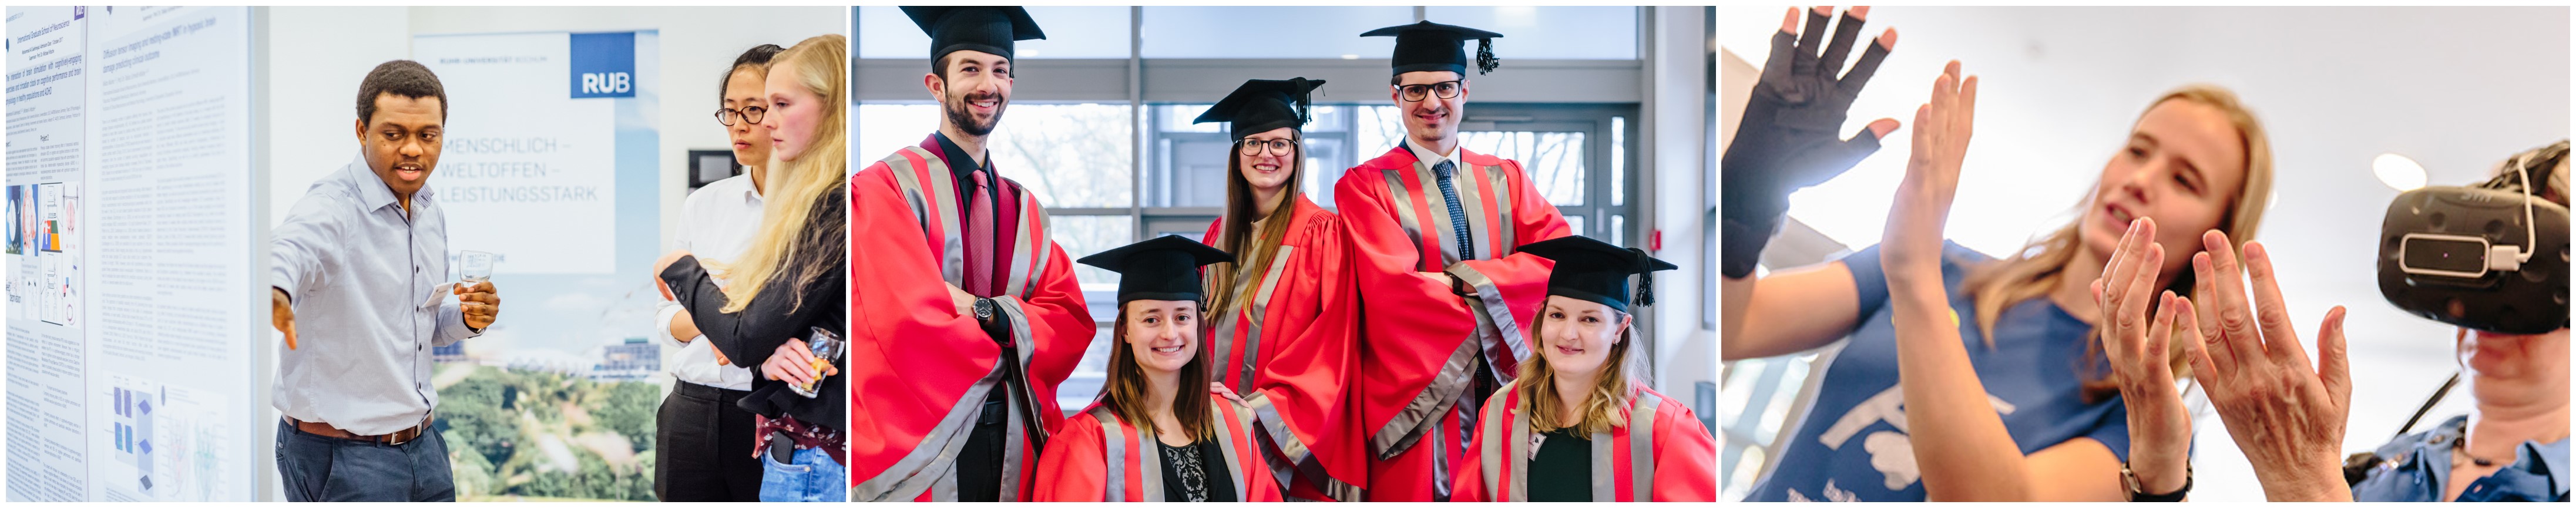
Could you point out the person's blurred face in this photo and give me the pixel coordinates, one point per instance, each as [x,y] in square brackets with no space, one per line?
[975,90]
[750,139]
[1576,335]
[2490,356]
[2183,165]
[401,141]
[1163,334]
[1431,119]
[794,112]
[1267,170]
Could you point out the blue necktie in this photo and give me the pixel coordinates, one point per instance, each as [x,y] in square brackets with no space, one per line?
[1457,215]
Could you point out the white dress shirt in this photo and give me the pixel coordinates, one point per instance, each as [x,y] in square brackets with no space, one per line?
[1429,158]
[716,223]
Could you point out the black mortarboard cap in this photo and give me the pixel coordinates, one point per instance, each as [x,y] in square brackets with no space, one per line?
[1596,271]
[986,29]
[1428,46]
[1165,268]
[1264,104]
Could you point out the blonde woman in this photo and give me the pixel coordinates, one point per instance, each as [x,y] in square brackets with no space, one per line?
[1964,377]
[1574,409]
[703,440]
[2290,418]
[791,280]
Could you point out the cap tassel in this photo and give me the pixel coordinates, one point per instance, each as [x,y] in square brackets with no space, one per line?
[1645,279]
[1305,100]
[1485,61]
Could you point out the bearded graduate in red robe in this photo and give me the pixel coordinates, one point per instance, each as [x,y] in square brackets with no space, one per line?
[964,314]
[1433,232]
[1285,313]
[1157,434]
[1599,436]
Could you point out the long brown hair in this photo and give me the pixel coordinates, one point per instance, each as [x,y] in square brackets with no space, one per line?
[2040,266]
[799,188]
[1604,410]
[1126,393]
[1235,235]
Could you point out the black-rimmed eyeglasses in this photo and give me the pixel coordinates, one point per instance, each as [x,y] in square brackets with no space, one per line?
[1256,147]
[1444,89]
[747,113]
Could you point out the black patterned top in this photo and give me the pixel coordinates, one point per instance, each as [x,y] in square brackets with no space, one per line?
[1195,473]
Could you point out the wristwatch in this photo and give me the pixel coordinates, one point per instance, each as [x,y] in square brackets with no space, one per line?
[2129,482]
[984,309]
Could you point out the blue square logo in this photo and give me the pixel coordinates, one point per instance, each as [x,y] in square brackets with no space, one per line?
[603,65]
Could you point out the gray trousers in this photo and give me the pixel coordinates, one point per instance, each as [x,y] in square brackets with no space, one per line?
[321,468]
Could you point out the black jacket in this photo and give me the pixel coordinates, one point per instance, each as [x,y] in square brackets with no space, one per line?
[775,315]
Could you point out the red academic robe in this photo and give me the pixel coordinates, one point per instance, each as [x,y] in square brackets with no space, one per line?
[1291,350]
[921,368]
[1420,341]
[1674,460]
[1084,463]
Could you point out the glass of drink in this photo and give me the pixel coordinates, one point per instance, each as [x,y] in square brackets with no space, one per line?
[826,347]
[475,265]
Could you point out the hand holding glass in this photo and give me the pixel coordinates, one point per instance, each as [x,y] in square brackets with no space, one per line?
[475,265]
[826,347]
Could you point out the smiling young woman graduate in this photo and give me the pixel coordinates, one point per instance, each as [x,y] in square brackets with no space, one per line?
[1156,434]
[1286,314]
[1574,426]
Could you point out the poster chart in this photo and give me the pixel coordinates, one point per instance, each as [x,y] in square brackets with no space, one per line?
[45,408]
[129,147]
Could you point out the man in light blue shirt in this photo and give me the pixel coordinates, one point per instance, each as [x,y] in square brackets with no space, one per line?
[357,267]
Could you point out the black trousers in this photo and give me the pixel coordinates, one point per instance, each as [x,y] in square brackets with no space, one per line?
[703,446]
[979,465]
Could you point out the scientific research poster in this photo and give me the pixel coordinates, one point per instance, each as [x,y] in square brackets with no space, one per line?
[173,357]
[47,73]
[132,368]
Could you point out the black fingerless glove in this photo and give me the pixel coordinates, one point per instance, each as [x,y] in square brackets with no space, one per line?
[1786,139]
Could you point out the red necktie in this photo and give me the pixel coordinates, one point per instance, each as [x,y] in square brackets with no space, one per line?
[979,239]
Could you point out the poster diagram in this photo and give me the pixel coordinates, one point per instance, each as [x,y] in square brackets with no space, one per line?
[168,441]
[133,432]
[58,217]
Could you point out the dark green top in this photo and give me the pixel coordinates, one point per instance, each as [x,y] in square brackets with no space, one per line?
[1561,469]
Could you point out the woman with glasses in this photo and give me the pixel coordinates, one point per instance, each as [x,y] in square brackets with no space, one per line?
[704,440]
[1284,327]
[790,285]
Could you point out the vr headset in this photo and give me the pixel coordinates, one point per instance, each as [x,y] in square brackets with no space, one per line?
[2489,257]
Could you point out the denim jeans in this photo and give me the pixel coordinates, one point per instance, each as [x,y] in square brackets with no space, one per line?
[809,476]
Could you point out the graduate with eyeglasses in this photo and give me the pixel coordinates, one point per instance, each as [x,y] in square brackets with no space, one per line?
[1435,232]
[1283,315]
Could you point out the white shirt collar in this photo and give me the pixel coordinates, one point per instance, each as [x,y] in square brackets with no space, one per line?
[750,191]
[1424,154]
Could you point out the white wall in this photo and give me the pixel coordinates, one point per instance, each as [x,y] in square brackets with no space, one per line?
[2455,88]
[316,58]
[1677,131]
[342,44]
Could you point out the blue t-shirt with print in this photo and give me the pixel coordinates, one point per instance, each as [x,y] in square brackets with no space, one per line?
[1853,446]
